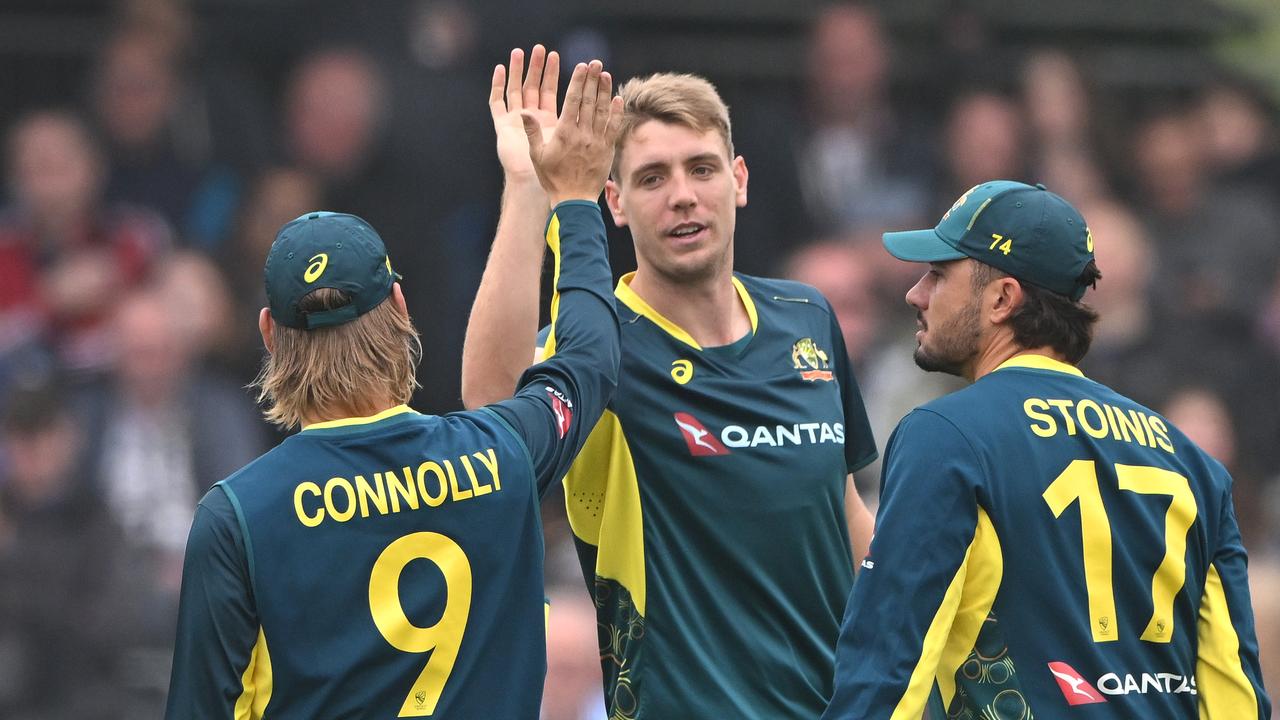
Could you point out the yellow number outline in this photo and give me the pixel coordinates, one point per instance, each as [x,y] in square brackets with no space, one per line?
[443,639]
[1079,484]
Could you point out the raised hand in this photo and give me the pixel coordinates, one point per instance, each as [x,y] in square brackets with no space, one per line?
[574,162]
[508,97]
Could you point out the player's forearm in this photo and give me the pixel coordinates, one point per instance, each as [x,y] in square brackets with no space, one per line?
[503,326]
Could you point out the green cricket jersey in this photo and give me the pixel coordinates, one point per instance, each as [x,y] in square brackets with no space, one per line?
[1047,548]
[391,566]
[708,511]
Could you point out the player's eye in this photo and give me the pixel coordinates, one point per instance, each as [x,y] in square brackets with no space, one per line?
[703,170]
[650,180]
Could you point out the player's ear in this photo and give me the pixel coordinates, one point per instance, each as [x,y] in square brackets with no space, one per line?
[397,296]
[740,181]
[612,198]
[266,326]
[1002,298]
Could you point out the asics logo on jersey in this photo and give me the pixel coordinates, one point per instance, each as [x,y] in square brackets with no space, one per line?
[563,409]
[696,435]
[1074,688]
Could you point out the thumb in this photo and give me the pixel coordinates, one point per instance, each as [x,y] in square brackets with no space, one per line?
[533,131]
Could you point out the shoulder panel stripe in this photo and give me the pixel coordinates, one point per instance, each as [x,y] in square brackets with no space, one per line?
[553,242]
[256,683]
[1224,689]
[244,533]
[602,499]
[954,630]
[345,422]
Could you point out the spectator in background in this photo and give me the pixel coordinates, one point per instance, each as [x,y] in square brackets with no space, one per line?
[837,270]
[985,137]
[160,149]
[1057,106]
[65,252]
[58,554]
[1240,136]
[1205,271]
[278,195]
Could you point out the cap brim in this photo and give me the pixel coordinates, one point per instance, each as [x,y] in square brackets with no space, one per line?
[920,246]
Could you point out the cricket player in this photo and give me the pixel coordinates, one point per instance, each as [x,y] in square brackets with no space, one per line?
[1045,547]
[381,563]
[712,505]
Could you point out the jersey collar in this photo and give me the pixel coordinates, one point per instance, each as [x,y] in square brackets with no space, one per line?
[346,422]
[638,306]
[1039,362]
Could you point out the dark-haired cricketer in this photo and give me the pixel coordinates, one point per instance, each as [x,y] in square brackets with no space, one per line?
[1045,547]
[391,565]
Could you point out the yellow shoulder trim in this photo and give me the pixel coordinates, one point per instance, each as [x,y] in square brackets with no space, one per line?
[1039,362]
[747,303]
[602,498]
[1224,689]
[637,305]
[343,422]
[256,682]
[553,242]
[955,626]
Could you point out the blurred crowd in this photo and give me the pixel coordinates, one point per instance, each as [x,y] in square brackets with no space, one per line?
[138,213]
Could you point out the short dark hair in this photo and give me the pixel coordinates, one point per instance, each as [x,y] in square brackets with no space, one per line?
[1047,318]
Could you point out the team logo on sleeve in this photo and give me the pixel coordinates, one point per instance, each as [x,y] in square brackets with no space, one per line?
[563,408]
[1074,688]
[810,360]
[699,439]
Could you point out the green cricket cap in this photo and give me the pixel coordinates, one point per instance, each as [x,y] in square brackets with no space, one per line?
[1024,230]
[326,250]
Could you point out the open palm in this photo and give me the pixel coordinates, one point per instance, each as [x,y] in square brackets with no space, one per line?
[508,97]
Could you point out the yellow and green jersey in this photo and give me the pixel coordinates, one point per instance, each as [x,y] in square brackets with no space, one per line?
[1047,548]
[708,510]
[391,566]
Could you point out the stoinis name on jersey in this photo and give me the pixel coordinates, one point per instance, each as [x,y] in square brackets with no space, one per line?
[1097,420]
[430,484]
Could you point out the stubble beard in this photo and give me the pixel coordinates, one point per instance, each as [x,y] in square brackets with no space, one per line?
[955,344]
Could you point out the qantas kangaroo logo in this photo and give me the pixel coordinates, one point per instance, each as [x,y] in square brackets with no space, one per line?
[563,409]
[1074,688]
[698,437]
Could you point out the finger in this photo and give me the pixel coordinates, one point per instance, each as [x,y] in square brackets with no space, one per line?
[498,106]
[550,82]
[513,79]
[533,131]
[533,78]
[573,96]
[586,113]
[614,125]
[603,93]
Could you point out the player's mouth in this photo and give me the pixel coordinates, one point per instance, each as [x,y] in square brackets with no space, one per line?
[688,233]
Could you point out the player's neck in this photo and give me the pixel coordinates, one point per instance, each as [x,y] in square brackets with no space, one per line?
[999,350]
[710,311]
[356,410]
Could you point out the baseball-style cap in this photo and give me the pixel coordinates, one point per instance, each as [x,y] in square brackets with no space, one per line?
[1026,231]
[326,250]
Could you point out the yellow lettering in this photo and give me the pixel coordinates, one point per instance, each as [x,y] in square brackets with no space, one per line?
[1151,436]
[995,240]
[490,460]
[1133,422]
[404,490]
[435,469]
[458,493]
[1064,407]
[1082,410]
[303,517]
[1162,435]
[367,492]
[1034,408]
[480,488]
[316,268]
[1113,418]
[350,492]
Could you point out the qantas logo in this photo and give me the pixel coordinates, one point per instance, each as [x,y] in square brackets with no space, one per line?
[563,408]
[702,441]
[698,437]
[1074,688]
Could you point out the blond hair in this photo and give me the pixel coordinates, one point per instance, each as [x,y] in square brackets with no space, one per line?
[675,99]
[333,371]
